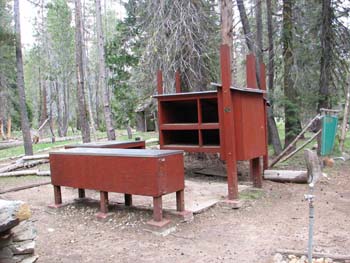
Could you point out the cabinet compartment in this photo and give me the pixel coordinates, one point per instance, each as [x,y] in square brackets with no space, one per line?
[211,137]
[209,108]
[184,111]
[181,137]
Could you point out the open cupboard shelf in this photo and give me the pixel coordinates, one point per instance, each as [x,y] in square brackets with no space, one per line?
[191,123]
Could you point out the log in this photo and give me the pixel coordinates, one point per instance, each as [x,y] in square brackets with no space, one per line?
[11,213]
[35,157]
[25,172]
[21,164]
[286,176]
[299,253]
[11,167]
[23,187]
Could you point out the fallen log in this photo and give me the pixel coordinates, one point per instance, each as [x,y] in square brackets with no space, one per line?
[25,173]
[299,253]
[286,176]
[19,165]
[35,157]
[23,187]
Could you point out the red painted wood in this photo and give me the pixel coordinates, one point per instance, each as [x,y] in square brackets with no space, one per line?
[103,202]
[157,209]
[228,122]
[180,201]
[250,128]
[200,137]
[221,125]
[149,176]
[57,194]
[110,145]
[251,72]
[177,82]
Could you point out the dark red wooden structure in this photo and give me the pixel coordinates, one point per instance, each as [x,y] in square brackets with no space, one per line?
[110,145]
[230,121]
[130,171]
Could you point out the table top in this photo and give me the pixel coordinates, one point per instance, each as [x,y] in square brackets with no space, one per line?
[117,152]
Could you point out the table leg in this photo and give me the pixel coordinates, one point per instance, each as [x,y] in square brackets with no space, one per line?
[128,199]
[180,201]
[57,194]
[255,172]
[157,209]
[104,202]
[81,193]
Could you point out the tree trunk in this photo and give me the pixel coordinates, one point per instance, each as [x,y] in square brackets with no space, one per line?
[28,148]
[87,75]
[290,105]
[345,119]
[274,137]
[2,132]
[9,127]
[259,40]
[246,26]
[83,118]
[324,100]
[43,106]
[102,74]
[226,16]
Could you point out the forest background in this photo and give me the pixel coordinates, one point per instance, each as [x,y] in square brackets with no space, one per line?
[92,65]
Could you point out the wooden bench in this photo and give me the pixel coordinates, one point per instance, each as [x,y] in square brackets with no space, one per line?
[110,145]
[129,171]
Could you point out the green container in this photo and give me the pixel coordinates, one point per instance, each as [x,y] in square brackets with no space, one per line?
[329,131]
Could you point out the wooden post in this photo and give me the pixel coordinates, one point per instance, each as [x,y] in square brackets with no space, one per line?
[228,128]
[57,194]
[104,202]
[81,193]
[128,199]
[255,172]
[177,82]
[157,209]
[180,201]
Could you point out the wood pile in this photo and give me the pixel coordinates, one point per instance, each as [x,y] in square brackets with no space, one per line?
[24,163]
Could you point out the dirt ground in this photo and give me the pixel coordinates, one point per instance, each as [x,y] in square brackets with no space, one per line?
[275,219]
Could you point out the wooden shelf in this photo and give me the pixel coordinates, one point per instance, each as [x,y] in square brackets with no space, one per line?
[192,148]
[189,126]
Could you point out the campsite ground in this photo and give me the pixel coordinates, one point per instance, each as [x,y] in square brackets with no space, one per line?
[271,219]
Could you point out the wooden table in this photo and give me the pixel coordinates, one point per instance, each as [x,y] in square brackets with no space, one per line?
[130,171]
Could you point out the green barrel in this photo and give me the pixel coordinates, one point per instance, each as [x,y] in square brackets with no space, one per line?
[329,131]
